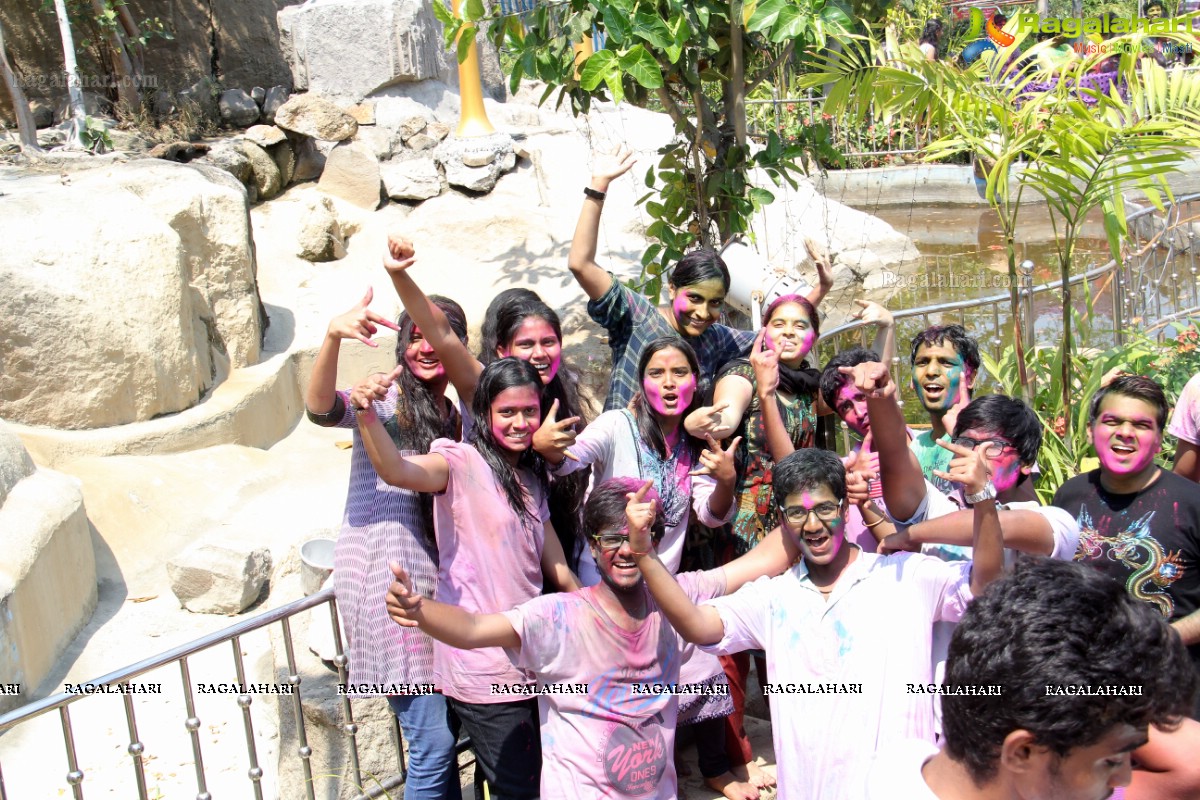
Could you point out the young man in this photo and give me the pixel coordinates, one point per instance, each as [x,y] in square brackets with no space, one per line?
[945,363]
[607,664]
[846,633]
[1138,523]
[1185,426]
[1083,671]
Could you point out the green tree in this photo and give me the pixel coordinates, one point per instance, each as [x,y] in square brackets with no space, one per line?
[698,60]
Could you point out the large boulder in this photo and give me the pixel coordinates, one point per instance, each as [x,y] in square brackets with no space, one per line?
[411,179]
[48,572]
[265,172]
[352,173]
[150,268]
[238,109]
[350,48]
[313,115]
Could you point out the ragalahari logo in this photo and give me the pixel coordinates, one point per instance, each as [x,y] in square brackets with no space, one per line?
[980,25]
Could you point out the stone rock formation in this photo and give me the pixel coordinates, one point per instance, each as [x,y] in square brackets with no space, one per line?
[219,577]
[315,116]
[137,300]
[352,173]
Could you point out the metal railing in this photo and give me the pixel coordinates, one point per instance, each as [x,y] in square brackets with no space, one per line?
[180,655]
[1156,283]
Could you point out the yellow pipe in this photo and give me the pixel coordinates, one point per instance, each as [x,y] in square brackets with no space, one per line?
[472,119]
[582,51]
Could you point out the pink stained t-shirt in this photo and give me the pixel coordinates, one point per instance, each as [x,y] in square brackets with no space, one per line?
[489,561]
[600,737]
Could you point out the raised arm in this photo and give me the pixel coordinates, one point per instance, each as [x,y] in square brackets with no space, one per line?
[973,470]
[554,562]
[765,360]
[697,624]
[899,470]
[824,266]
[453,625]
[594,279]
[361,323]
[721,465]
[462,368]
[772,556]
[423,473]
[885,328]
[1027,531]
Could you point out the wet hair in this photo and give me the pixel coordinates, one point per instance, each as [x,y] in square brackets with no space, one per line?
[962,342]
[1138,387]
[700,265]
[505,315]
[421,416]
[488,336]
[807,469]
[813,317]
[506,373]
[832,381]
[931,31]
[646,417]
[1059,623]
[1004,416]
[605,507]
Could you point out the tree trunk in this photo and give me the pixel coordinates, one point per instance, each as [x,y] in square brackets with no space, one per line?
[737,73]
[128,94]
[25,124]
[74,91]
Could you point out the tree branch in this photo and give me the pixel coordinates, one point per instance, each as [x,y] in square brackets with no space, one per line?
[675,112]
[784,55]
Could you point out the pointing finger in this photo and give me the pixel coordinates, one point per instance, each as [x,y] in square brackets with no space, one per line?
[640,495]
[570,455]
[368,297]
[382,320]
[394,375]
[552,414]
[733,445]
[954,448]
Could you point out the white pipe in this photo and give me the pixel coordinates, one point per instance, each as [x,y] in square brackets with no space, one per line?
[752,283]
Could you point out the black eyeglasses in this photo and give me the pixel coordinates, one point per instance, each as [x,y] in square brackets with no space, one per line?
[994,447]
[613,541]
[798,515]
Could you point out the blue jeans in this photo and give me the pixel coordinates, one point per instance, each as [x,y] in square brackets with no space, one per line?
[431,730]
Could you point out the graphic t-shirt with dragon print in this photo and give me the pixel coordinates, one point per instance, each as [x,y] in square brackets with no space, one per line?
[1148,540]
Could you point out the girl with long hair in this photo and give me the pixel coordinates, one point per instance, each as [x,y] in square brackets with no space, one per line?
[495,546]
[384,523]
[517,324]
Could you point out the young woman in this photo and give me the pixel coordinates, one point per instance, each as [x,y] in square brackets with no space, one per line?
[647,441]
[517,324]
[930,40]
[495,545]
[697,288]
[384,523]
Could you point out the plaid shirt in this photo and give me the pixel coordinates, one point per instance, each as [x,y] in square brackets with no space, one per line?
[633,322]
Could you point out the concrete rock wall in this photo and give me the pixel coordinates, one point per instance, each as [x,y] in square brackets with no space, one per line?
[48,573]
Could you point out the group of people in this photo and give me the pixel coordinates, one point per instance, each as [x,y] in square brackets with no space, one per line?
[525,559]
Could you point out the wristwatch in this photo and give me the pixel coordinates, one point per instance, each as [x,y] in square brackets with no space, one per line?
[988,492]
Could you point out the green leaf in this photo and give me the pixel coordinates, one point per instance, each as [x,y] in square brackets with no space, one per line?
[748,9]
[761,197]
[474,10]
[642,68]
[790,24]
[616,24]
[442,13]
[649,26]
[597,68]
[765,15]
[465,40]
[613,81]
[650,178]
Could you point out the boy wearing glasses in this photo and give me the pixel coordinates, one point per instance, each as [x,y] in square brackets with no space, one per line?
[607,663]
[847,633]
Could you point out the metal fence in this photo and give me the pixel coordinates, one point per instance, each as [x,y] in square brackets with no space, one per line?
[1155,284]
[191,723]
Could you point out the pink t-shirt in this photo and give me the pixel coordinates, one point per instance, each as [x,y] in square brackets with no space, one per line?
[1185,419]
[489,561]
[608,740]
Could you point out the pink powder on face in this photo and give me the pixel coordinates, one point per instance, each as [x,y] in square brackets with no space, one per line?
[1146,444]
[856,415]
[684,390]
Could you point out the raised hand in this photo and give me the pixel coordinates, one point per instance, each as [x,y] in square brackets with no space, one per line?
[717,462]
[871,378]
[554,436]
[858,479]
[403,602]
[639,516]
[970,468]
[373,387]
[874,314]
[707,420]
[607,167]
[950,418]
[400,253]
[360,322]
[765,360]
[820,257]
